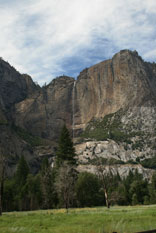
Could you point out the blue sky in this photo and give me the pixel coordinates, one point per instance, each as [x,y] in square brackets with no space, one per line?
[48,38]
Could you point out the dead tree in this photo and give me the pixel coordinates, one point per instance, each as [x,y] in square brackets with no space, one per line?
[105,175]
[65,183]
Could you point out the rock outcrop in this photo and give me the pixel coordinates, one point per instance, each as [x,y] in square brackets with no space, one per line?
[115,157]
[122,170]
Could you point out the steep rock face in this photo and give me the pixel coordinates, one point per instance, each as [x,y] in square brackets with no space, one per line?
[45,114]
[121,159]
[124,81]
[110,149]
[13,147]
[14,87]
[122,170]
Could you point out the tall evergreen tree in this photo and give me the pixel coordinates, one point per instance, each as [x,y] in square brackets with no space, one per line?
[66,150]
[22,172]
[21,187]
[152,189]
[34,191]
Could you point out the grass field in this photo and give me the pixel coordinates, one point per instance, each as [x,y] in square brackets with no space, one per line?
[87,220]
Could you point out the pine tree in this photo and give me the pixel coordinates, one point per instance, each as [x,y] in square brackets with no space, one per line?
[22,172]
[34,191]
[20,179]
[66,150]
[152,189]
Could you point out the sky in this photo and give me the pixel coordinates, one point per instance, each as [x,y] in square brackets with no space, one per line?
[49,38]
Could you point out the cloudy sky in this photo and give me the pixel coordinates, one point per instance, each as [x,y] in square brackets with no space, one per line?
[48,38]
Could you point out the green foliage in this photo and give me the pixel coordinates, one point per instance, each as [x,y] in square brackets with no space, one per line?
[9,194]
[110,127]
[44,166]
[22,172]
[15,188]
[105,161]
[120,192]
[138,145]
[131,161]
[20,179]
[28,137]
[146,200]
[149,163]
[139,188]
[59,186]
[47,179]
[134,199]
[152,189]
[33,185]
[3,122]
[88,190]
[136,188]
[154,180]
[66,150]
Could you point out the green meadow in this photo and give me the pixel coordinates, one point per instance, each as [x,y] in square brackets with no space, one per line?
[86,220]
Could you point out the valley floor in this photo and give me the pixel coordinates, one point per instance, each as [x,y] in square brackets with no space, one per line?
[84,220]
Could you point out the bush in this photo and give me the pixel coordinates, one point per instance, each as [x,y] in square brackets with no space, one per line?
[149,163]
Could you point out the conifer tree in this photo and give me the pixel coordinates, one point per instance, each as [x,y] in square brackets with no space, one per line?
[47,177]
[152,189]
[22,172]
[66,173]
[21,179]
[66,150]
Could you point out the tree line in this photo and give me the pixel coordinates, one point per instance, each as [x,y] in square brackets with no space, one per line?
[61,185]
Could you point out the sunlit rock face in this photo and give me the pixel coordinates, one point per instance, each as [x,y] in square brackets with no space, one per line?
[123,81]
[115,158]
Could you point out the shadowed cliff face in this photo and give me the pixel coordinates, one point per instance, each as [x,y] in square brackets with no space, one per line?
[14,88]
[121,82]
[45,114]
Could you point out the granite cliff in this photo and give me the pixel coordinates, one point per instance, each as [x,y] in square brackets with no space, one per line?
[125,81]
[111,104]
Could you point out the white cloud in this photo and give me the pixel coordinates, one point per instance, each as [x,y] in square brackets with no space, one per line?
[44,38]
